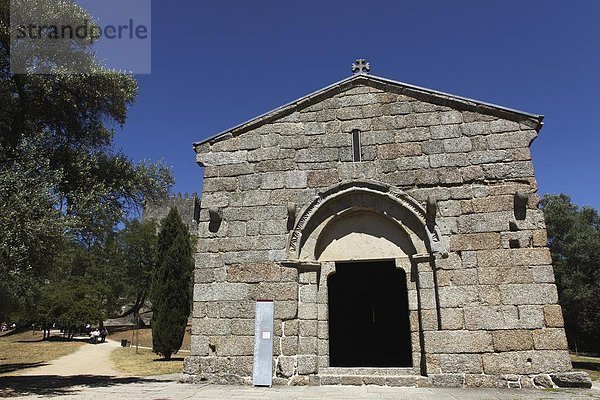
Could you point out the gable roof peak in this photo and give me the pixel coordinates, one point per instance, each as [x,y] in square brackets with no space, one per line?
[385,84]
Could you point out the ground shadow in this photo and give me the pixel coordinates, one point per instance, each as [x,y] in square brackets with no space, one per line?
[54,385]
[6,368]
[586,365]
[56,339]
[171,359]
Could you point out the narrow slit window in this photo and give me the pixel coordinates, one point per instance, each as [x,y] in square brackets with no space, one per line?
[356,153]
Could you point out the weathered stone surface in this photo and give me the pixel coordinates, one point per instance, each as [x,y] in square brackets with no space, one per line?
[487,381]
[460,341]
[503,317]
[220,291]
[486,306]
[461,363]
[553,316]
[286,366]
[512,340]
[448,380]
[550,339]
[576,379]
[526,362]
[307,364]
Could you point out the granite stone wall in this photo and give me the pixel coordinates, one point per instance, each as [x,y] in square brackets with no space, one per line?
[483,307]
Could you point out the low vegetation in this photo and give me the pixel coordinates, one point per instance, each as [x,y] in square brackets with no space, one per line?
[591,365]
[21,351]
[145,338]
[144,362]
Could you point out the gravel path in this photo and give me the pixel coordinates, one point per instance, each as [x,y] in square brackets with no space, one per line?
[90,359]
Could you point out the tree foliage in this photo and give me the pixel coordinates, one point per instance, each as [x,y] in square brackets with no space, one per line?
[61,180]
[574,239]
[171,286]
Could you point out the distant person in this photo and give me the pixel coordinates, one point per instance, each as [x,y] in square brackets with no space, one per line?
[103,334]
[94,335]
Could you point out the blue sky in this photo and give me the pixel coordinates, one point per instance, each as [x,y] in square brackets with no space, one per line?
[216,64]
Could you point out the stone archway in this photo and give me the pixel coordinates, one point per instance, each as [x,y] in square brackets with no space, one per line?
[365,221]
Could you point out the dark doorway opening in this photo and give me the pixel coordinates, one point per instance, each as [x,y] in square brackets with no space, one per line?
[368,316]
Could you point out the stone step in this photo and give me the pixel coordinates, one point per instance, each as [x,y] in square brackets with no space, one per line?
[381,380]
[368,371]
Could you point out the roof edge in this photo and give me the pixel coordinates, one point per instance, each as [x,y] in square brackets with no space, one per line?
[385,84]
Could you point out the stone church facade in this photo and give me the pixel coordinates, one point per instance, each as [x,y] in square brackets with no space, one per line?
[397,231]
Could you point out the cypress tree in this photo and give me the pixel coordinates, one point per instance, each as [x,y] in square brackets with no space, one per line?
[171,286]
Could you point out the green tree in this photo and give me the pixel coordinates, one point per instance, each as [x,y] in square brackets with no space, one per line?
[56,143]
[138,243]
[171,286]
[574,240]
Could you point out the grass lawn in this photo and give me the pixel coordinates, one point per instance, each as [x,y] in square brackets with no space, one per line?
[26,350]
[145,363]
[145,337]
[591,365]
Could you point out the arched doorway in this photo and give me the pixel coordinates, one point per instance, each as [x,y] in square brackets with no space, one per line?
[370,244]
[368,316]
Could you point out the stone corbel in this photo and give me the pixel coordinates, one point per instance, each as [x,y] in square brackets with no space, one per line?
[520,205]
[216,217]
[291,215]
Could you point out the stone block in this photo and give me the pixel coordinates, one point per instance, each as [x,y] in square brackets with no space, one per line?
[457,277]
[448,160]
[445,131]
[244,327]
[254,272]
[510,140]
[233,345]
[307,345]
[322,178]
[550,339]
[475,128]
[278,291]
[514,257]
[289,345]
[503,125]
[575,379]
[286,310]
[504,275]
[220,291]
[485,381]
[537,293]
[526,362]
[553,316]
[211,327]
[510,170]
[543,380]
[475,241]
[452,318]
[286,366]
[458,296]
[457,145]
[543,274]
[199,345]
[503,317]
[307,364]
[460,341]
[448,380]
[308,328]
[307,311]
[512,340]
[397,150]
[461,363]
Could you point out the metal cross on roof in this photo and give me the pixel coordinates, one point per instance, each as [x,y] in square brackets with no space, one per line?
[360,66]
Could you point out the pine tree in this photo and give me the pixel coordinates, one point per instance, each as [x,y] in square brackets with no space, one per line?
[171,286]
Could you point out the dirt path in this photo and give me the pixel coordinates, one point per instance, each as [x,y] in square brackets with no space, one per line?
[90,359]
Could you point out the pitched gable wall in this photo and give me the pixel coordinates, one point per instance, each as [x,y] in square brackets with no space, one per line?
[496,297]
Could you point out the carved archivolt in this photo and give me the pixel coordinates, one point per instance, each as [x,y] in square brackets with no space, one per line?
[369,195]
